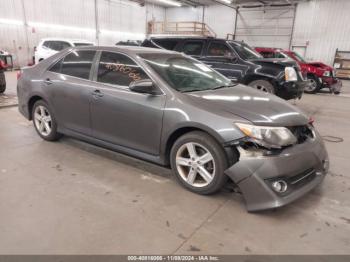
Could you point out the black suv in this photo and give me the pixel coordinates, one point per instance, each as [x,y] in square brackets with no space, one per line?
[239,62]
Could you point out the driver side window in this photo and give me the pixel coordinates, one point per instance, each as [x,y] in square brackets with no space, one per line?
[118,69]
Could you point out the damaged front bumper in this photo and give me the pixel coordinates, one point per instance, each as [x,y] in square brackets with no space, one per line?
[334,84]
[302,167]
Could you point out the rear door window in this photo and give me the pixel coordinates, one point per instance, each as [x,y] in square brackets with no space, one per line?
[118,69]
[193,48]
[168,44]
[78,63]
[56,68]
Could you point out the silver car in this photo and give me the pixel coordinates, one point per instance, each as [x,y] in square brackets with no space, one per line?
[171,109]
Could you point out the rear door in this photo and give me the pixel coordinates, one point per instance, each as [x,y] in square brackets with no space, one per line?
[120,116]
[69,87]
[223,59]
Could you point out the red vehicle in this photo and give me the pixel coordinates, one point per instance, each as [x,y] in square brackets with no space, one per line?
[319,74]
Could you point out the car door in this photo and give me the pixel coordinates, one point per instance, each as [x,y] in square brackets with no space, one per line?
[69,89]
[120,116]
[223,59]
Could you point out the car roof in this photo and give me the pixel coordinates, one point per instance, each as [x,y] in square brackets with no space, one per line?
[132,50]
[65,39]
[186,37]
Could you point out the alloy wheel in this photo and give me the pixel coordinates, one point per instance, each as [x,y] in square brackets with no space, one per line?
[261,88]
[312,87]
[42,120]
[195,164]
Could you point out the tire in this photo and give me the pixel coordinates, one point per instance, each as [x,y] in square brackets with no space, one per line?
[315,85]
[44,121]
[263,85]
[2,82]
[187,169]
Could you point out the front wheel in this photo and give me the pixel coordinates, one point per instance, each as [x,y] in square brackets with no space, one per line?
[263,85]
[44,121]
[2,82]
[314,85]
[199,162]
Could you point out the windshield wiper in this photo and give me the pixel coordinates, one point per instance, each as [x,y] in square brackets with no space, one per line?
[191,90]
[223,86]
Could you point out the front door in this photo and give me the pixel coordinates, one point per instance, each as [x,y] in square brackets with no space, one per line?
[221,58]
[120,116]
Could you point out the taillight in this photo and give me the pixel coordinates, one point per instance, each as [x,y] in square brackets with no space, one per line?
[19,74]
[2,64]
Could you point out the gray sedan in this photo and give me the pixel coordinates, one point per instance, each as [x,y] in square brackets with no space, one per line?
[171,109]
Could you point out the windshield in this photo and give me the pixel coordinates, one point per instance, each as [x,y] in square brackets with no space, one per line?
[299,57]
[185,74]
[245,51]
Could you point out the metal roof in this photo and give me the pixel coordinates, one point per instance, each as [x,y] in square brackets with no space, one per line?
[234,3]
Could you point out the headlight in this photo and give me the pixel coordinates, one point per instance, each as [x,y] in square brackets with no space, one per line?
[290,74]
[269,137]
[327,73]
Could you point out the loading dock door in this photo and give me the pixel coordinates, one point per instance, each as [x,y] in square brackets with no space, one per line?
[266,27]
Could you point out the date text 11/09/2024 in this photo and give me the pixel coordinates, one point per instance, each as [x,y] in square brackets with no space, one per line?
[174,258]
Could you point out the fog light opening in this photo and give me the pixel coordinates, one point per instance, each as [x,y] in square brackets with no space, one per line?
[280,186]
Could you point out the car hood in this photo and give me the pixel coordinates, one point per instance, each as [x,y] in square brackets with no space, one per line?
[278,61]
[255,106]
[320,65]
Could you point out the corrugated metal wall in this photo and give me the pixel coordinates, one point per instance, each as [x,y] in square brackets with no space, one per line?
[220,18]
[321,26]
[182,14]
[117,20]
[326,25]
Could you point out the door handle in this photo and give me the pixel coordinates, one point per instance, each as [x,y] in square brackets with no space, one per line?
[97,93]
[48,81]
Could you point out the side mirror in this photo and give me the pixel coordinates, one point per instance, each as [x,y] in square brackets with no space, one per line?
[144,86]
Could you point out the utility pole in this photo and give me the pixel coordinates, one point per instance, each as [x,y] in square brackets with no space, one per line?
[97,35]
[28,56]
[236,19]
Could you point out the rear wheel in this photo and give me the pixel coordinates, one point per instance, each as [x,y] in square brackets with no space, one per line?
[263,85]
[314,85]
[44,121]
[199,162]
[2,82]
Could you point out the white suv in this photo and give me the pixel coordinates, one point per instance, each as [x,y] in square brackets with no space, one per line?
[50,46]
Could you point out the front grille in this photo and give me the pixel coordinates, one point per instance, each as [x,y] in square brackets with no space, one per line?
[302,133]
